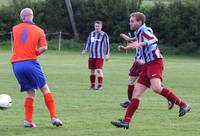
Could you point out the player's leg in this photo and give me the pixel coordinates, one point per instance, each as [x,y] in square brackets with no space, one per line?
[92,78]
[23,77]
[131,82]
[50,104]
[99,68]
[92,67]
[170,104]
[169,95]
[137,94]
[29,108]
[134,72]
[100,79]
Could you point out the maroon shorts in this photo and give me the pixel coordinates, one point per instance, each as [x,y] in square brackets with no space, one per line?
[135,69]
[151,70]
[95,63]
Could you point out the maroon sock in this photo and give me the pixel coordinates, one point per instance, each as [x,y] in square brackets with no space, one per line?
[131,110]
[130,91]
[172,97]
[92,80]
[100,81]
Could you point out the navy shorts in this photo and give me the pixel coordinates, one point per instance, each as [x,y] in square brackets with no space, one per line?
[29,74]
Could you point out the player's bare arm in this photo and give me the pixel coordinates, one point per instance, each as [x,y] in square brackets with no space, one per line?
[107,57]
[83,52]
[136,45]
[126,37]
[121,47]
[41,50]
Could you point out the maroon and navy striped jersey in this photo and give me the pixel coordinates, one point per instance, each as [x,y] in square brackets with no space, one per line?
[98,43]
[150,52]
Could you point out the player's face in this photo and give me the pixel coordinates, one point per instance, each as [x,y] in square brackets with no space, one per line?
[134,24]
[97,27]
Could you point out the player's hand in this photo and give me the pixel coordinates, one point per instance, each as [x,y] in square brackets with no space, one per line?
[41,50]
[120,47]
[83,52]
[122,35]
[107,57]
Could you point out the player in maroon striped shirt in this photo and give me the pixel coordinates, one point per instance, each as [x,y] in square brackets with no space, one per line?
[151,74]
[98,43]
[135,69]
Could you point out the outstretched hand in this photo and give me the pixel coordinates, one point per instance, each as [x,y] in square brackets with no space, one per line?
[120,47]
[107,57]
[83,52]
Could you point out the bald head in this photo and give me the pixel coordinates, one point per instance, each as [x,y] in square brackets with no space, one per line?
[26,14]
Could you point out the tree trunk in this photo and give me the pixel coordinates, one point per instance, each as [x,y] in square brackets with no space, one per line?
[71,16]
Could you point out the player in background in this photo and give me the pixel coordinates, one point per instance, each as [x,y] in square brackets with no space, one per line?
[27,36]
[98,44]
[151,73]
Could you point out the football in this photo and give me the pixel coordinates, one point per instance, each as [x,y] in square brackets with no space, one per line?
[5,101]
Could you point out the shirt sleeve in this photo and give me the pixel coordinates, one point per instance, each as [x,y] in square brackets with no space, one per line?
[149,38]
[107,44]
[87,43]
[42,39]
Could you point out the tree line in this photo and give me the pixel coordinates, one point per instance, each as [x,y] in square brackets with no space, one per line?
[175,24]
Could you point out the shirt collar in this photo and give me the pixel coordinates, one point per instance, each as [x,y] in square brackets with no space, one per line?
[101,32]
[28,21]
[140,29]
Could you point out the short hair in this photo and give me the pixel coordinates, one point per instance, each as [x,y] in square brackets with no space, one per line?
[26,12]
[98,22]
[139,16]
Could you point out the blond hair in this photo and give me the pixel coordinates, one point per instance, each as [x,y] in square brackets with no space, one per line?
[139,16]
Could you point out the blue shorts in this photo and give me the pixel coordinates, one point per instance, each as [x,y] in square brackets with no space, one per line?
[29,75]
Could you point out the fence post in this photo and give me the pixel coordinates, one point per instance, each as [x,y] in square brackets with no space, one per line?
[60,38]
[11,40]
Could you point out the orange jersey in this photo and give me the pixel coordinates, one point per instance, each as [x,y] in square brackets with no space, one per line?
[26,39]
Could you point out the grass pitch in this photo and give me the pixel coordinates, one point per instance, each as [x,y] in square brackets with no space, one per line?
[88,113]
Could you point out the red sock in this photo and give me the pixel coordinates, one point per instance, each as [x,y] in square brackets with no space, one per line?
[100,81]
[29,107]
[92,80]
[131,109]
[172,97]
[130,91]
[49,101]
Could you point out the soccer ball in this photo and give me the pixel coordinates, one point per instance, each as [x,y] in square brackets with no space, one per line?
[5,101]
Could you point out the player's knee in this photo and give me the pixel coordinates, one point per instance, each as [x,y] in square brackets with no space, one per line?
[131,80]
[31,93]
[137,94]
[45,89]
[92,72]
[156,88]
[100,72]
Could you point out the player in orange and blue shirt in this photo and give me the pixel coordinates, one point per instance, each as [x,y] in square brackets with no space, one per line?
[27,36]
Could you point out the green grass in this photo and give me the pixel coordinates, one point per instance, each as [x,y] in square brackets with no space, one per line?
[88,113]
